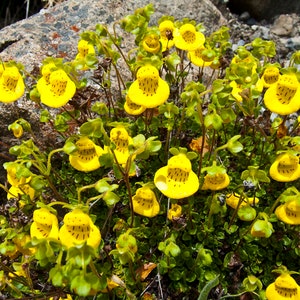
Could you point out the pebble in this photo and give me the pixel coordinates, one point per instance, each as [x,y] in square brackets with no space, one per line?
[244,16]
[283,25]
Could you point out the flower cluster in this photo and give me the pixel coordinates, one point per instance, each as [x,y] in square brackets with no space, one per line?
[78,228]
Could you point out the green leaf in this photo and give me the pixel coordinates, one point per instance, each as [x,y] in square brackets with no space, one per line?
[207,288]
[172,249]
[102,186]
[69,147]
[100,108]
[80,285]
[175,274]
[172,61]
[38,183]
[92,128]
[174,151]
[246,213]
[233,145]
[45,116]
[56,276]
[111,198]
[213,121]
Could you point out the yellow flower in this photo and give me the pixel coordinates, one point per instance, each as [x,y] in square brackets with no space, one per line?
[285,168]
[262,228]
[22,189]
[86,158]
[20,186]
[45,224]
[55,88]
[84,48]
[284,287]
[12,178]
[17,130]
[283,97]
[174,212]
[12,86]
[112,283]
[198,59]
[151,43]
[132,108]
[237,89]
[270,76]
[215,179]
[188,38]
[79,228]
[246,60]
[177,180]
[145,203]
[19,242]
[166,29]
[120,137]
[289,212]
[232,200]
[215,182]
[46,71]
[148,90]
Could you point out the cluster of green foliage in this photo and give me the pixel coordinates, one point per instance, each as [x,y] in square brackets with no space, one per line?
[209,250]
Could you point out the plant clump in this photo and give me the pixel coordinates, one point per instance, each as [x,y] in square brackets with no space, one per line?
[177,181]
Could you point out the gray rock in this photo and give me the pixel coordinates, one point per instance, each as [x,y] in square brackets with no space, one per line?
[265,9]
[55,31]
[291,43]
[245,16]
[283,25]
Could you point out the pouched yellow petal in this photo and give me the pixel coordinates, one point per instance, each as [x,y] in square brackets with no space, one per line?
[236,91]
[45,224]
[286,168]
[174,212]
[12,86]
[120,137]
[197,59]
[215,182]
[58,91]
[232,200]
[289,212]
[84,48]
[145,203]
[177,180]
[79,228]
[12,176]
[187,38]
[270,76]
[22,189]
[284,287]
[86,158]
[47,70]
[166,29]
[283,97]
[148,90]
[151,43]
[132,108]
